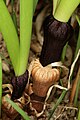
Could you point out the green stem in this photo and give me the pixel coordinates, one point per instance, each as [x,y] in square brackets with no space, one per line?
[5,59]
[65,9]
[18,51]
[12,4]
[57,103]
[5,1]
[64,91]
[78,84]
[55,4]
[64,52]
[78,44]
[10,35]
[26,14]
[79,114]
[34,5]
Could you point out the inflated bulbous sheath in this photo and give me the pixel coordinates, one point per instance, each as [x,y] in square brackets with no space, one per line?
[56,34]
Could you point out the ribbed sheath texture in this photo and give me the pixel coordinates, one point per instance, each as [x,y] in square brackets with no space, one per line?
[56,34]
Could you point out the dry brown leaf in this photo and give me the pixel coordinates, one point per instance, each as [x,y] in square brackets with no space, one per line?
[73,90]
[69,54]
[35,47]
[5,67]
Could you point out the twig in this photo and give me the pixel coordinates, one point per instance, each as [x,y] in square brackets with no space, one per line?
[75,86]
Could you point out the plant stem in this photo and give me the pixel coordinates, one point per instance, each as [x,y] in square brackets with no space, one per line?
[26,14]
[34,5]
[10,35]
[64,91]
[65,9]
[78,44]
[57,103]
[64,52]
[5,59]
[5,1]
[79,114]
[0,86]
[78,84]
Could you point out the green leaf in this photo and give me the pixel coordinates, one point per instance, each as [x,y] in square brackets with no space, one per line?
[78,20]
[65,9]
[26,15]
[79,114]
[5,1]
[77,45]
[3,58]
[34,5]
[10,35]
[57,103]
[12,2]
[18,109]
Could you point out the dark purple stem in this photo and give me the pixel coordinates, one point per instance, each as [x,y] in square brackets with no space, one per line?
[19,84]
[56,34]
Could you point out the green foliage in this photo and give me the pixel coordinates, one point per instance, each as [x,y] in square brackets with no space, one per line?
[79,114]
[5,1]
[10,35]
[18,50]
[18,109]
[57,103]
[76,52]
[65,9]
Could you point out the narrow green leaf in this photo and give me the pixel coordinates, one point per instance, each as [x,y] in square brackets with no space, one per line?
[5,1]
[78,20]
[78,44]
[12,2]
[79,114]
[64,91]
[65,9]
[57,103]
[18,109]
[34,5]
[10,35]
[64,52]
[26,15]
[77,88]
[0,85]
[76,51]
